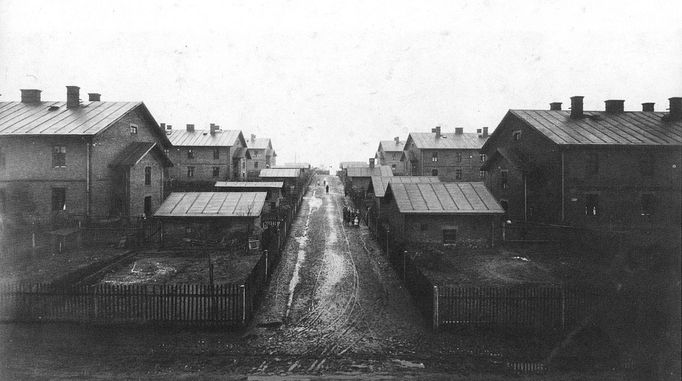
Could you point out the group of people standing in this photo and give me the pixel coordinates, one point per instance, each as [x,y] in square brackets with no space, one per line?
[351,216]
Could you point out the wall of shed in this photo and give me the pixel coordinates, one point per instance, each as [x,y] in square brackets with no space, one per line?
[177,230]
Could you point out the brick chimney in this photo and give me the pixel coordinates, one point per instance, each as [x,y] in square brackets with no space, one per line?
[485,132]
[648,106]
[214,128]
[253,138]
[371,163]
[397,140]
[577,107]
[675,114]
[73,96]
[614,106]
[437,131]
[94,97]
[459,130]
[555,106]
[190,128]
[30,96]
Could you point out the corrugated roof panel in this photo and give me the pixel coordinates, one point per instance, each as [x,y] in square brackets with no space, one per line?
[200,203]
[472,196]
[444,197]
[486,197]
[381,170]
[602,128]
[429,196]
[458,197]
[169,204]
[279,173]
[249,184]
[185,203]
[214,204]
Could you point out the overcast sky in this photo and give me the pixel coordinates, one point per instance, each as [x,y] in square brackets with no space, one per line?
[326,80]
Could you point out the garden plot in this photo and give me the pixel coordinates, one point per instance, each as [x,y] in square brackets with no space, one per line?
[181,268]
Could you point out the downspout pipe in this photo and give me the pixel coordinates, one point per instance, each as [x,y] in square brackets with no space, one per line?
[88,178]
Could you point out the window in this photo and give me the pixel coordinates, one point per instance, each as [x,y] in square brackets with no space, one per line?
[148,206]
[3,201]
[592,164]
[646,165]
[190,171]
[216,171]
[483,157]
[449,236]
[458,174]
[516,135]
[2,159]
[394,156]
[147,175]
[424,227]
[393,166]
[166,151]
[59,156]
[58,199]
[133,129]
[648,203]
[504,179]
[434,157]
[216,153]
[459,157]
[591,204]
[434,172]
[190,153]
[255,164]
[481,174]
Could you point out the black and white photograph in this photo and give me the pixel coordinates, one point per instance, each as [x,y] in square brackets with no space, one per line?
[340,190]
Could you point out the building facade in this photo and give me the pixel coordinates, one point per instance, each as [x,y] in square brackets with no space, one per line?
[451,157]
[260,155]
[391,153]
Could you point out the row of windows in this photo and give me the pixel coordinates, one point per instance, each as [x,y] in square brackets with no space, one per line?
[458,173]
[458,157]
[216,153]
[215,171]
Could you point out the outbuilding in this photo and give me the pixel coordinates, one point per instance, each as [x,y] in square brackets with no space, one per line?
[272,188]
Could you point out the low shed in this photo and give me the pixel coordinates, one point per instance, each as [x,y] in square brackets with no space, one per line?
[211,217]
[377,186]
[359,178]
[272,188]
[462,214]
[289,176]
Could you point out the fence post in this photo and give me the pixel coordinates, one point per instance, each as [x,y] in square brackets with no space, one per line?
[266,264]
[242,294]
[404,262]
[435,308]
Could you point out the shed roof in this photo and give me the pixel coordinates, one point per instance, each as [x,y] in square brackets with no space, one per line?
[212,204]
[348,164]
[198,138]
[379,183]
[280,172]
[381,170]
[54,118]
[391,146]
[603,128]
[134,152]
[444,198]
[428,140]
[249,184]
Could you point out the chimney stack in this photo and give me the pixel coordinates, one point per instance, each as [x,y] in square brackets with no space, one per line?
[371,163]
[648,106]
[397,139]
[555,106]
[30,96]
[675,109]
[614,106]
[577,107]
[190,128]
[485,132]
[214,128]
[437,131]
[253,138]
[162,125]
[72,96]
[94,97]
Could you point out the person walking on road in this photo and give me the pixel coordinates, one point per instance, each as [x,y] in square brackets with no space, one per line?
[327,188]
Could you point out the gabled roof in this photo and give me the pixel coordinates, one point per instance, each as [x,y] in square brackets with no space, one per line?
[212,204]
[134,152]
[428,140]
[391,146]
[54,118]
[241,152]
[380,170]
[348,164]
[444,198]
[294,165]
[259,143]
[630,128]
[199,138]
[249,184]
[279,172]
[380,183]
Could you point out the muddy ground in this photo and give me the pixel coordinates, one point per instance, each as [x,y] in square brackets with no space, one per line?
[334,309]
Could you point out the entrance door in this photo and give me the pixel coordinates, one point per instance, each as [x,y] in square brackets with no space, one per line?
[148,206]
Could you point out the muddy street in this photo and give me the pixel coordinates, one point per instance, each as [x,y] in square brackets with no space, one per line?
[334,293]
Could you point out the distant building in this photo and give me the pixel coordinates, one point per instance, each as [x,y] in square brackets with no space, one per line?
[462,214]
[451,157]
[606,171]
[88,160]
[261,155]
[359,178]
[289,176]
[391,153]
[207,156]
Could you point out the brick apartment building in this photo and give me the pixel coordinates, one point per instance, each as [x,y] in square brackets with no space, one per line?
[606,171]
[391,153]
[260,155]
[206,156]
[451,157]
[88,160]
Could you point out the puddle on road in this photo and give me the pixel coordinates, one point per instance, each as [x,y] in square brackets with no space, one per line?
[334,263]
[314,203]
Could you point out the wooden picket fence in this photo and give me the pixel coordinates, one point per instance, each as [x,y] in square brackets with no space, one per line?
[193,304]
